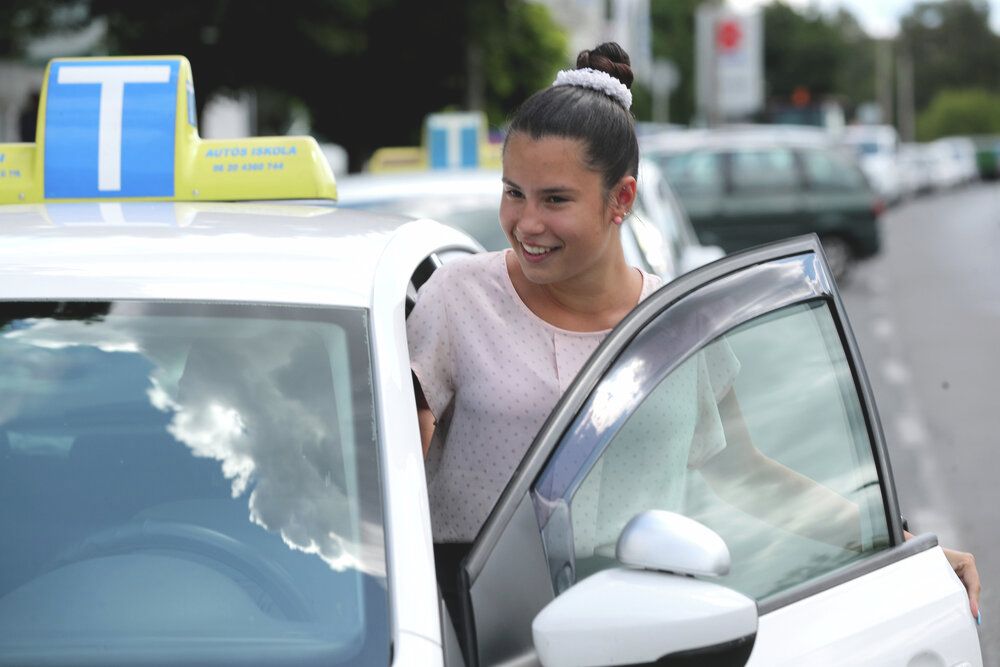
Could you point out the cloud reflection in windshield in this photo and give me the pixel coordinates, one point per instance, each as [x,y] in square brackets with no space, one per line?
[262,405]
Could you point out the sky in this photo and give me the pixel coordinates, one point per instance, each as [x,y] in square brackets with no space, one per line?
[879,17]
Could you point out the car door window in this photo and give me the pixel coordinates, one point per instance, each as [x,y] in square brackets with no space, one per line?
[770,170]
[792,381]
[829,171]
[696,173]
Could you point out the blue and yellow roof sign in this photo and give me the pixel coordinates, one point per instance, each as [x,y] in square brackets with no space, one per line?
[125,129]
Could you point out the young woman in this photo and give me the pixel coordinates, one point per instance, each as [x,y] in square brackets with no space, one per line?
[496,339]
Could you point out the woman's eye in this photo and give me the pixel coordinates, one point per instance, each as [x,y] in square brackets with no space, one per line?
[511,192]
[556,199]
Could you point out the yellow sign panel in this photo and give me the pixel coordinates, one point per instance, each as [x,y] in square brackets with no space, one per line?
[124,129]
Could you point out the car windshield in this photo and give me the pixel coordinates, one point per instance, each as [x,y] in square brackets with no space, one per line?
[189,484]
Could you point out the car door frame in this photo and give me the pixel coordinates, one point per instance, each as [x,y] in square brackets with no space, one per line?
[507,532]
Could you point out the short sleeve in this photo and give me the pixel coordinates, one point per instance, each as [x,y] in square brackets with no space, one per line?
[718,367]
[429,342]
[723,367]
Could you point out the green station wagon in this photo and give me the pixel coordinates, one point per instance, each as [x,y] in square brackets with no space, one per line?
[744,187]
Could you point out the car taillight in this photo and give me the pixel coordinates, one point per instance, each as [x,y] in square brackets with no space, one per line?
[878,207]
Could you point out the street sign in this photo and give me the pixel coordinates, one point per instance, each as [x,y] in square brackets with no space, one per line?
[729,62]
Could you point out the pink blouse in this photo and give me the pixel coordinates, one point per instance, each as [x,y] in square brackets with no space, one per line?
[477,348]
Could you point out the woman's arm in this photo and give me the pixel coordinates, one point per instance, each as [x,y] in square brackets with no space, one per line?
[425,418]
[744,477]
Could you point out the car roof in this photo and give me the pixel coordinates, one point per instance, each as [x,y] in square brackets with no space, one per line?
[260,252]
[360,189]
[735,136]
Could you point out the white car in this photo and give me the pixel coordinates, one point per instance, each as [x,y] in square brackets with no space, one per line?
[877,147]
[658,236]
[209,452]
[952,162]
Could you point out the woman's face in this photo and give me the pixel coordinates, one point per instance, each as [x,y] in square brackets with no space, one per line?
[554,209]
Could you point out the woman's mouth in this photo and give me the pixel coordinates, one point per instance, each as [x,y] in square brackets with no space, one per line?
[536,253]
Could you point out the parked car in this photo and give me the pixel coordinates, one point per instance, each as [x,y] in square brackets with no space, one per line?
[658,236]
[953,162]
[988,156]
[916,168]
[209,450]
[877,150]
[746,186]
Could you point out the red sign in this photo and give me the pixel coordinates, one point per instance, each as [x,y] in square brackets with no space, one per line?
[728,35]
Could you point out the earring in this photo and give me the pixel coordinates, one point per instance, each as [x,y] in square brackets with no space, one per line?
[617,220]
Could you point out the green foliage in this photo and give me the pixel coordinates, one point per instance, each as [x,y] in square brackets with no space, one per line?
[21,21]
[673,38]
[368,71]
[952,45]
[829,56]
[522,50]
[960,112]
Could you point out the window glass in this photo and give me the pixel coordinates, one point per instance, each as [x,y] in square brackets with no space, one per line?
[772,400]
[692,173]
[829,171]
[771,170]
[189,483]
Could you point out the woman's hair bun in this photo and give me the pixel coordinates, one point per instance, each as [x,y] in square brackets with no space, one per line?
[609,58]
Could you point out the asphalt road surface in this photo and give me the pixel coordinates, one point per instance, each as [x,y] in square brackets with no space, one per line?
[926,313]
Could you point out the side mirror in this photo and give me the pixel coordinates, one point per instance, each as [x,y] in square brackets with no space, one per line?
[643,614]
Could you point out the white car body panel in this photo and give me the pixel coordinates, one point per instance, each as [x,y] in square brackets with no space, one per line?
[256,253]
[409,649]
[413,590]
[913,610]
[238,252]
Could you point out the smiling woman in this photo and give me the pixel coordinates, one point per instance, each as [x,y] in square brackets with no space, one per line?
[497,338]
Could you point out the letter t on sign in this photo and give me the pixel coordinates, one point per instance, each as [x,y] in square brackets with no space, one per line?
[109,138]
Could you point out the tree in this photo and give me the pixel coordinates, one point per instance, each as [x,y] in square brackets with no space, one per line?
[828,56]
[21,21]
[674,38]
[951,45]
[956,112]
[367,71]
[825,55]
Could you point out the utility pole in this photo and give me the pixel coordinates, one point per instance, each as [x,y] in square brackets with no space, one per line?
[905,104]
[883,78]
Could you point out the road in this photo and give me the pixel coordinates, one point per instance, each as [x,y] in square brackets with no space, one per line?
[926,313]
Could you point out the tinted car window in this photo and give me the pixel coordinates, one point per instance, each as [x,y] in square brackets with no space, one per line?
[190,484]
[693,173]
[764,170]
[826,170]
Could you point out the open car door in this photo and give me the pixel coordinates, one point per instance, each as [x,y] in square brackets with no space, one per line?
[604,547]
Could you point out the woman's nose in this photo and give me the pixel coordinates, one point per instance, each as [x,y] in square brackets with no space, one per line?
[530,222]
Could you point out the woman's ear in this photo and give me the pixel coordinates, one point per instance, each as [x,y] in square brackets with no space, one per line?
[622,198]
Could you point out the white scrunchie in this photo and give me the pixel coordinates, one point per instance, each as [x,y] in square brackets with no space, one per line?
[596,80]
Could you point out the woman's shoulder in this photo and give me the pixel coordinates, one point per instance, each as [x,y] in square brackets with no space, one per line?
[650,283]
[467,274]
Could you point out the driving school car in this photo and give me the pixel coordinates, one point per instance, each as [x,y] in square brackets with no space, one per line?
[209,450]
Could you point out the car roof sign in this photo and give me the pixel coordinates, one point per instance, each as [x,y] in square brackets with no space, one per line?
[125,129]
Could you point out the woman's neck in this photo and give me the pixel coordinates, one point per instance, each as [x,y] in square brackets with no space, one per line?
[594,301]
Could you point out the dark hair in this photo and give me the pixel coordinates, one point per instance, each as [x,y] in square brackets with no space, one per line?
[605,126]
